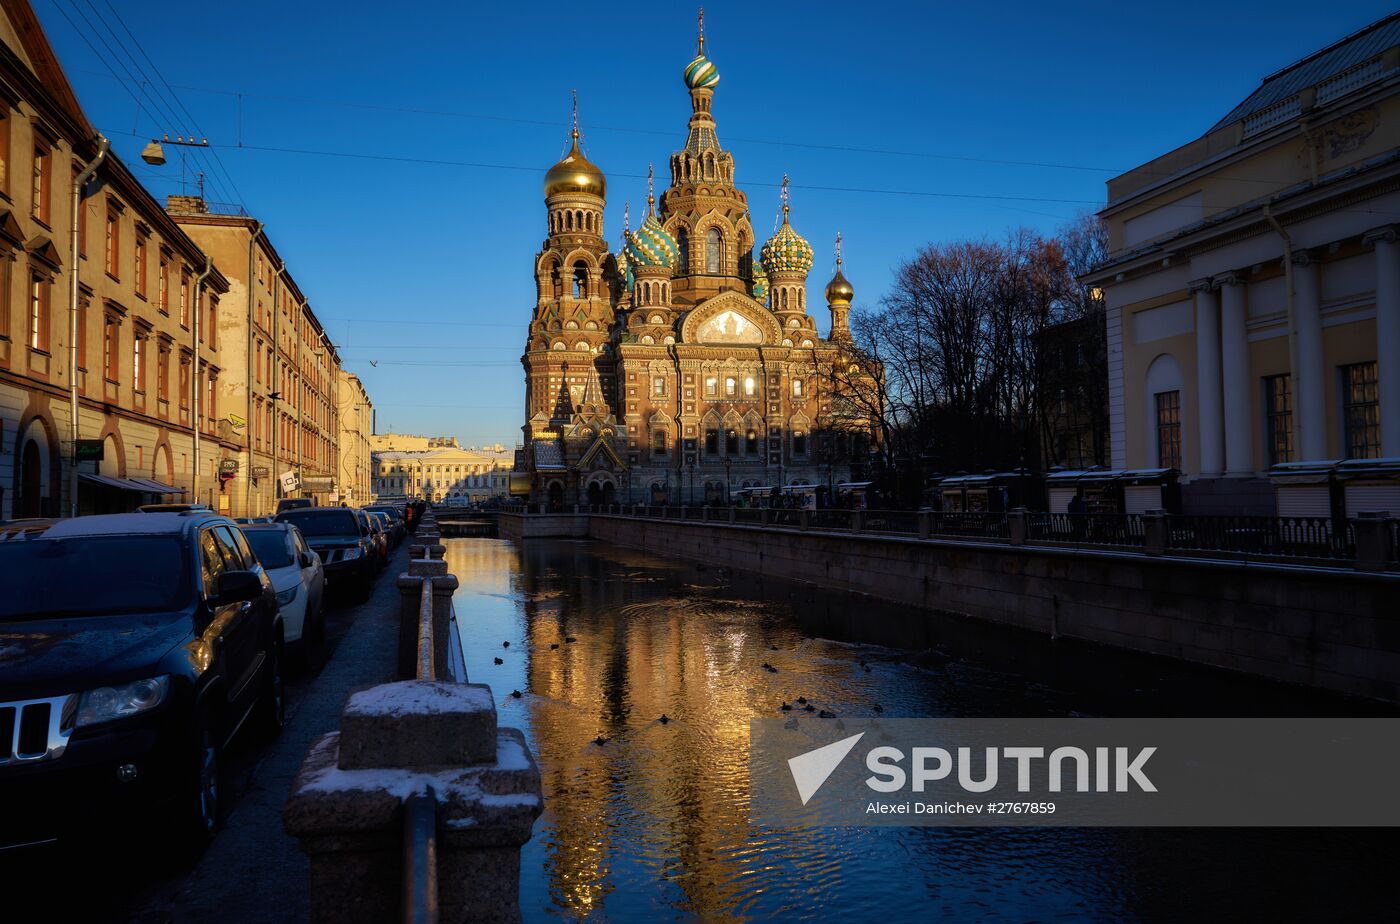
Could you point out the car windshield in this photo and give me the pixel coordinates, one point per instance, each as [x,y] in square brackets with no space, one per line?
[94,576]
[270,545]
[321,522]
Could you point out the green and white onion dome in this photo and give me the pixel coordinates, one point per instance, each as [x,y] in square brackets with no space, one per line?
[786,253]
[701,74]
[651,245]
[760,283]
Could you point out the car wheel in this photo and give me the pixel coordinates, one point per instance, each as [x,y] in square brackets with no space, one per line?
[202,804]
[272,706]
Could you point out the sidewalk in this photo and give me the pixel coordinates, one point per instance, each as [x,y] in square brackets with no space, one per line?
[253,871]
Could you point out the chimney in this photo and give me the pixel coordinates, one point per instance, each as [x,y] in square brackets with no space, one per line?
[186,205]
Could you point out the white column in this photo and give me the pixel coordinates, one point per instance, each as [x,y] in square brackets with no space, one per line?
[1387,245]
[1309,388]
[1208,378]
[1235,378]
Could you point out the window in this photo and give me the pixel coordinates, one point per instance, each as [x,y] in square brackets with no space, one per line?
[711,442]
[683,245]
[84,302]
[43,182]
[751,443]
[138,371]
[163,373]
[797,387]
[658,442]
[163,284]
[749,386]
[38,311]
[113,243]
[82,216]
[731,387]
[1278,418]
[1361,417]
[185,380]
[1168,429]
[213,321]
[4,148]
[141,265]
[731,442]
[712,386]
[184,299]
[110,356]
[658,385]
[6,274]
[799,444]
[714,251]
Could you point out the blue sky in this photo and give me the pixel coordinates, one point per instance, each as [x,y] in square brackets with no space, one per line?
[425,268]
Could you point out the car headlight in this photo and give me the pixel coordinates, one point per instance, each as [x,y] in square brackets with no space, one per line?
[107,703]
[352,553]
[288,595]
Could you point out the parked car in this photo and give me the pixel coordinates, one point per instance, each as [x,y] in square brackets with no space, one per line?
[378,536]
[398,530]
[341,537]
[386,523]
[245,521]
[294,503]
[135,646]
[299,580]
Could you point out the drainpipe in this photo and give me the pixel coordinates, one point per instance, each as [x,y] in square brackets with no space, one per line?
[1298,423]
[82,179]
[194,379]
[253,423]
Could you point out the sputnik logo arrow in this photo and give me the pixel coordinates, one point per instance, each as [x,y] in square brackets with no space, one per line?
[810,770]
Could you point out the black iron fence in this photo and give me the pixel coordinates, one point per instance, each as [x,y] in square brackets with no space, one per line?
[1301,539]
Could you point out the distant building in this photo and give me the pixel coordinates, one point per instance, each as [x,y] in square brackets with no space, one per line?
[148,365]
[1253,287]
[1073,393]
[408,442]
[355,475]
[680,368]
[442,471]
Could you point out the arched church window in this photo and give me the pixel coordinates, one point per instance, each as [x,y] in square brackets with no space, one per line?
[746,262]
[580,280]
[714,251]
[683,245]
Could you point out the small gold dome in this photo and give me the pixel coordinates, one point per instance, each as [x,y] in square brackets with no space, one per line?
[839,289]
[575,174]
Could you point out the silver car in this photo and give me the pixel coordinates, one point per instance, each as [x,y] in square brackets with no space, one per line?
[297,576]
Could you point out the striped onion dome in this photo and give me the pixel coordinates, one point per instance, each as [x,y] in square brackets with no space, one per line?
[701,74]
[760,283]
[651,245]
[786,253]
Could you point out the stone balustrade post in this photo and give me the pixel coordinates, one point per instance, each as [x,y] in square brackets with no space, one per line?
[763,516]
[705,514]
[410,585]
[731,514]
[857,520]
[1372,531]
[925,522]
[1156,532]
[804,518]
[1016,525]
[402,740]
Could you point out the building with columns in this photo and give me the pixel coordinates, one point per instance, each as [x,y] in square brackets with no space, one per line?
[437,468]
[679,368]
[1253,292]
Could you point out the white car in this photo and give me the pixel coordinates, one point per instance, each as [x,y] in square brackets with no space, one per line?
[298,578]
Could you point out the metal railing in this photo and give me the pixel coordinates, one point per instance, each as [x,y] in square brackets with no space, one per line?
[1282,539]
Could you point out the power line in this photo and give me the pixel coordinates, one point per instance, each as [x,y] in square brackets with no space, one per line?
[173,95]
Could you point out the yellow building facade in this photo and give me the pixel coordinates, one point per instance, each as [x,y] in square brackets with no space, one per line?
[124,325]
[1253,289]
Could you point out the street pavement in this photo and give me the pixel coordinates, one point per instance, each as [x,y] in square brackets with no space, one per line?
[253,871]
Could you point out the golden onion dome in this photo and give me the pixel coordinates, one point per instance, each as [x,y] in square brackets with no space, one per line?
[839,288]
[575,174]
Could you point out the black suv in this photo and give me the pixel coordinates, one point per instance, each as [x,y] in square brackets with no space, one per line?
[342,537]
[132,648]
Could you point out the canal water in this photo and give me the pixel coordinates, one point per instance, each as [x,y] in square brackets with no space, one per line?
[653,824]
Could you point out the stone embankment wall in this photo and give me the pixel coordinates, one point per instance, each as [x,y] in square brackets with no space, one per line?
[1335,629]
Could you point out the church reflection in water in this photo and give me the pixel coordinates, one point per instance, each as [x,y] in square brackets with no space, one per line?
[653,821]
